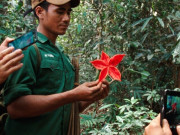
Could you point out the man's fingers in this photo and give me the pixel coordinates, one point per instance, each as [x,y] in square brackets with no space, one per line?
[178,129]
[14,68]
[6,41]
[105,90]
[157,119]
[105,82]
[92,84]
[12,55]
[96,88]
[14,61]
[5,52]
[99,94]
[166,127]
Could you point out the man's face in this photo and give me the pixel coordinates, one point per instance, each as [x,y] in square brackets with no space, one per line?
[56,19]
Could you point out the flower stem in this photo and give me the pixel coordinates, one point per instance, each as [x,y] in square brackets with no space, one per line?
[111,81]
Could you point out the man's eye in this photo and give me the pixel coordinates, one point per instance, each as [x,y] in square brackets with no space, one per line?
[60,12]
[69,13]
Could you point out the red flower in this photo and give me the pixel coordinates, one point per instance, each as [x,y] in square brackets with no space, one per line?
[108,65]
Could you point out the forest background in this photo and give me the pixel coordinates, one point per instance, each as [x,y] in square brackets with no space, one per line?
[147,31]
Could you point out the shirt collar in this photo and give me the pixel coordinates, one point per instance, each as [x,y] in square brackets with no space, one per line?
[60,48]
[42,38]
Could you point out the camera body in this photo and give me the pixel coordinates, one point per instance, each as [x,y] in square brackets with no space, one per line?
[24,41]
[171,109]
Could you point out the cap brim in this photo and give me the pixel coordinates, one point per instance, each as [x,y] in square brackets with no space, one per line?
[74,3]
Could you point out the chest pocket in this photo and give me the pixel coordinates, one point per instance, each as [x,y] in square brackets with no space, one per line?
[52,65]
[52,75]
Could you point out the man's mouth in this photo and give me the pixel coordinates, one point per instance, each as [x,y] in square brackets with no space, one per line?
[63,26]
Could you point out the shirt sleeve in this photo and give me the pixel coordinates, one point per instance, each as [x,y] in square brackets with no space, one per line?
[22,81]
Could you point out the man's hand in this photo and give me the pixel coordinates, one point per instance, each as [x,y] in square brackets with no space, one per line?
[104,90]
[9,60]
[92,91]
[154,128]
[178,129]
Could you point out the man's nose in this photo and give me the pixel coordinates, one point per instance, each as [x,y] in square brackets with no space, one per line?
[66,17]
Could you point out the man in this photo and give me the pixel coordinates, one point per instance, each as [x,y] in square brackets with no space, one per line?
[9,60]
[39,100]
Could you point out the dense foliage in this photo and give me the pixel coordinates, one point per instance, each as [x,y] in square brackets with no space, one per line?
[147,31]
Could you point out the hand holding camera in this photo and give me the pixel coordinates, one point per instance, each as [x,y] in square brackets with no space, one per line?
[168,122]
[171,109]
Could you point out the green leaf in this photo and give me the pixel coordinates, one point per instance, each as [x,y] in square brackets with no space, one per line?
[178,36]
[132,70]
[138,22]
[86,117]
[162,48]
[171,29]
[105,106]
[145,23]
[145,73]
[149,97]
[136,30]
[84,14]
[106,1]
[135,44]
[150,56]
[144,37]
[139,55]
[161,21]
[122,109]
[79,28]
[2,31]
[166,56]
[176,54]
[133,101]
[119,119]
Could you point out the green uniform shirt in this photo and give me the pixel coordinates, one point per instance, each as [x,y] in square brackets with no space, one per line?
[55,75]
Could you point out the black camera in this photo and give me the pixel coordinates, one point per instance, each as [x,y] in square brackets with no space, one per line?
[25,40]
[171,109]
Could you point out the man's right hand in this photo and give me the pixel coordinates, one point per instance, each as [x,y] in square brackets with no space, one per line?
[92,91]
[9,60]
[178,129]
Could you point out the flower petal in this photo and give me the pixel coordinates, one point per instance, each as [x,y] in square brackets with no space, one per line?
[105,57]
[116,59]
[99,64]
[114,73]
[103,74]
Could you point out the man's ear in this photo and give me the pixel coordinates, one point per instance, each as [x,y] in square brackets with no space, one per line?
[40,12]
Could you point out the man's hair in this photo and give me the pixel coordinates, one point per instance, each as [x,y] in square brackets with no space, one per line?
[44,5]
